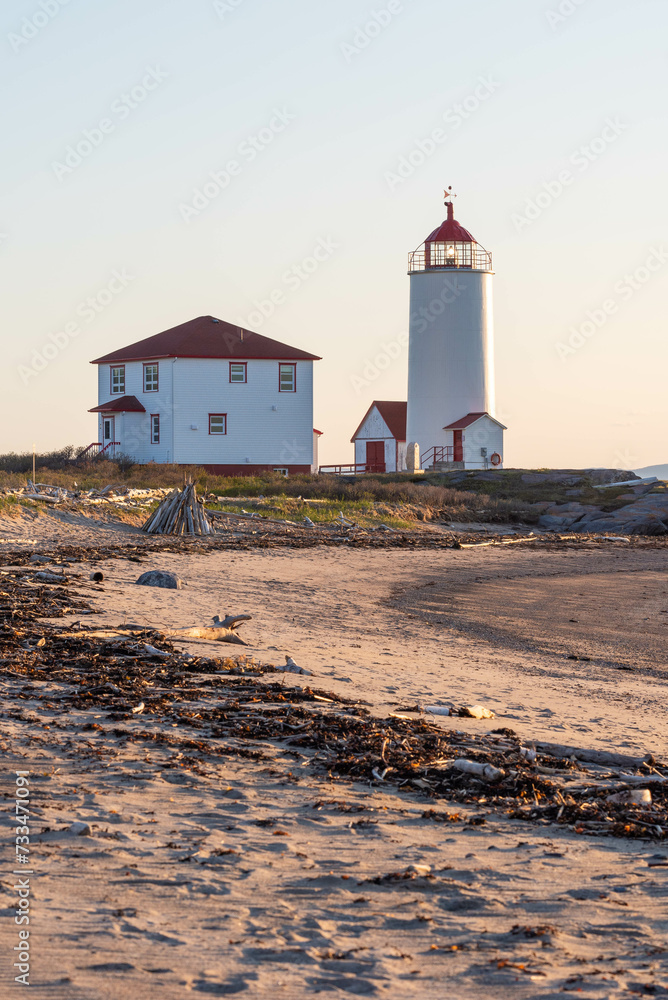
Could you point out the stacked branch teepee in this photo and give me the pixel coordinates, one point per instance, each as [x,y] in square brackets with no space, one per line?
[181,513]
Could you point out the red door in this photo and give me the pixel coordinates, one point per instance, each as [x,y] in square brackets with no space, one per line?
[375,456]
[458,450]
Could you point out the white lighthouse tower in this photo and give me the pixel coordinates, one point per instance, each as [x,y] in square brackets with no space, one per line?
[451,352]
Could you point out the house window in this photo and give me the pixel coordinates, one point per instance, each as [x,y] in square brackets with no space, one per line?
[118,380]
[150,378]
[217,423]
[287,378]
[155,428]
[238,371]
[283,472]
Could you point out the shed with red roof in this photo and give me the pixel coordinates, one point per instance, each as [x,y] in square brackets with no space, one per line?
[380,439]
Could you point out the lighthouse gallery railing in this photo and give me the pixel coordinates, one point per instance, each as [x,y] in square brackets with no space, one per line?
[464,257]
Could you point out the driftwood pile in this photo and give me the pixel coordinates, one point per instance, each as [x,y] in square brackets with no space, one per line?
[118,495]
[181,513]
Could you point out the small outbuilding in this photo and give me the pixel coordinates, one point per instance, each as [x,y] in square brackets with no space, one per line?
[380,440]
[473,442]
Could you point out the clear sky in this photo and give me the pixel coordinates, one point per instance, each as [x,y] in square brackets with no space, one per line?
[551,126]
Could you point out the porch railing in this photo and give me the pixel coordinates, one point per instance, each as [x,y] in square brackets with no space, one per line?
[436,455]
[96,449]
[351,470]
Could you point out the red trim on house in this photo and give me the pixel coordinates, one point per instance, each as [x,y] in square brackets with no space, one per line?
[316,431]
[151,364]
[239,364]
[218,433]
[112,369]
[294,377]
[155,416]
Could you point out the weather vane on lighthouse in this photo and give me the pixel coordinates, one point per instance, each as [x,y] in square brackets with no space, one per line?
[448,195]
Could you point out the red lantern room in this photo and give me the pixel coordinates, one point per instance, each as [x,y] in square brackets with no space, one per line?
[450,247]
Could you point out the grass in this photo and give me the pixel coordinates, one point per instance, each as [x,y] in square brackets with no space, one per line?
[398,500]
[407,498]
[364,513]
[508,484]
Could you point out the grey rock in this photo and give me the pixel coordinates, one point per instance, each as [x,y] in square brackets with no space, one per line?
[553,523]
[80,829]
[563,478]
[572,510]
[601,476]
[160,578]
[625,521]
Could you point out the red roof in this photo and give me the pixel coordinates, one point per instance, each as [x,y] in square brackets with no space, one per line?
[124,404]
[393,413]
[450,231]
[207,337]
[470,418]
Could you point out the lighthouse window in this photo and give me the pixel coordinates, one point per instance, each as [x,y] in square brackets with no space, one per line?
[450,254]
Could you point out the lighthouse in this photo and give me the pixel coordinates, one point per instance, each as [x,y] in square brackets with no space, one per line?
[450,414]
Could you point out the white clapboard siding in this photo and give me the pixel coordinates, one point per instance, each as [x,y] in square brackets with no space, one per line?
[257,434]
[264,426]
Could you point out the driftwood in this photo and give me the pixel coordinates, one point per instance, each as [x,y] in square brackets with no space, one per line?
[230,621]
[466,712]
[293,668]
[220,633]
[223,630]
[42,496]
[181,513]
[592,756]
[637,797]
[216,634]
[205,632]
[486,771]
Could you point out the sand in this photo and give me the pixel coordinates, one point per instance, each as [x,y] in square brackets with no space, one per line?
[267,879]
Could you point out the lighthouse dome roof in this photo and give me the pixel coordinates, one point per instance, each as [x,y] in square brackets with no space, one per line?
[450,232]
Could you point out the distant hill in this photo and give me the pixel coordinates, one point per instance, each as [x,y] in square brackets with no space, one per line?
[660,471]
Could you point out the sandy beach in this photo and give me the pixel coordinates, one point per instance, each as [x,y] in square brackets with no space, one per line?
[221,875]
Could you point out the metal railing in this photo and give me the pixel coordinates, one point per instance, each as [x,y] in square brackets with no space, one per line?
[96,449]
[437,454]
[351,470]
[85,453]
[450,257]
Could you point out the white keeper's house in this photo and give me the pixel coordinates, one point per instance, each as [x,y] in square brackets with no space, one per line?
[211,394]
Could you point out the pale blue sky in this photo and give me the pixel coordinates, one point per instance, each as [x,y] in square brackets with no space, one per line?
[220,76]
